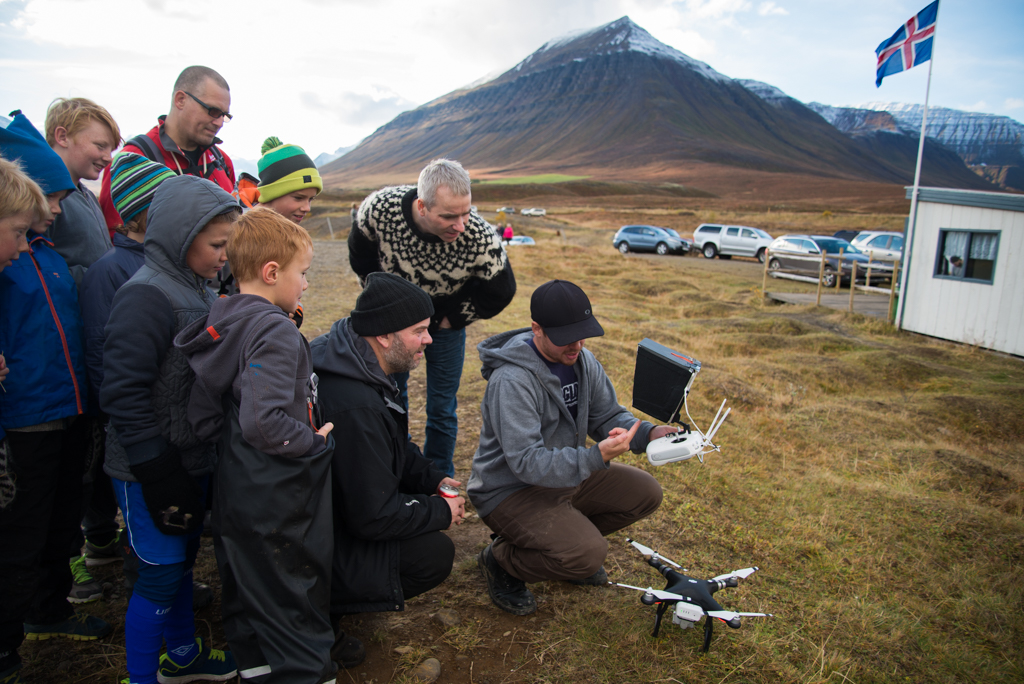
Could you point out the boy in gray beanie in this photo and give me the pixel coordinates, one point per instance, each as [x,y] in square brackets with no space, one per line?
[388,544]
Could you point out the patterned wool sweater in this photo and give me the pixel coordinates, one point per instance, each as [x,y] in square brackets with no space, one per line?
[467,280]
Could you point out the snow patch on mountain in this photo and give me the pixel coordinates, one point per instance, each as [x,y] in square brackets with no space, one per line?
[622,35]
[766,92]
[966,132]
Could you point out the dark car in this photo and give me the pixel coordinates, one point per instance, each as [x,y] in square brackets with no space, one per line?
[784,253]
[650,239]
[847,235]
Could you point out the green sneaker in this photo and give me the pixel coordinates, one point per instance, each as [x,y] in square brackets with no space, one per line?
[78,627]
[103,555]
[12,676]
[210,665]
[85,588]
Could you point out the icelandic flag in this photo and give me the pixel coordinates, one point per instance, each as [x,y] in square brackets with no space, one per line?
[909,46]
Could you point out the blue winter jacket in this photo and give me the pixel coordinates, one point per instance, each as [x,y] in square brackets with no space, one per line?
[102,280]
[41,338]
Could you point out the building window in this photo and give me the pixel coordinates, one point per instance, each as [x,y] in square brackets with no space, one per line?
[967,255]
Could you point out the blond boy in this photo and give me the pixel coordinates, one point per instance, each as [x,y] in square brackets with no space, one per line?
[255,391]
[84,135]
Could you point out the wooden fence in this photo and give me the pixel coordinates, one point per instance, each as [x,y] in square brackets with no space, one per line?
[821,261]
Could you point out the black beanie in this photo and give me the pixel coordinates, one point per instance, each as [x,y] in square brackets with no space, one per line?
[387,304]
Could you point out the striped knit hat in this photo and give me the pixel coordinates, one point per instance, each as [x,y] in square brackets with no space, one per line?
[133,180]
[285,168]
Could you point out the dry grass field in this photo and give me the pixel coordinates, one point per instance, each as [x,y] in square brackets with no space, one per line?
[874,476]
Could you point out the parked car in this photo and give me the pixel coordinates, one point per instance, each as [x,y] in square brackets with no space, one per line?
[847,235]
[882,243]
[715,239]
[783,249]
[650,239]
[521,240]
[535,211]
[507,210]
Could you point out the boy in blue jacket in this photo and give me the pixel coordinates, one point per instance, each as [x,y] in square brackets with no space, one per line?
[40,410]
[159,467]
[255,391]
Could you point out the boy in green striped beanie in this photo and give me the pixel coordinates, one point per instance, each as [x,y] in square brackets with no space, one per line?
[288,179]
[133,182]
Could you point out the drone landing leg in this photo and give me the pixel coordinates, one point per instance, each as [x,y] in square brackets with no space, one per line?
[709,628]
[657,620]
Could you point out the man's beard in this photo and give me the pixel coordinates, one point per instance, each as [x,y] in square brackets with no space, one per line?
[400,359]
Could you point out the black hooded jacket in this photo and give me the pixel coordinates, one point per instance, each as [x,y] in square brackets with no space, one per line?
[146,381]
[382,484]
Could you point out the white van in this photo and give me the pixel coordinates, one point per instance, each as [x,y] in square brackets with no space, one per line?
[725,241]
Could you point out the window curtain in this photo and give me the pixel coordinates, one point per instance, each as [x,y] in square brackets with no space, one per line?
[955,245]
[983,246]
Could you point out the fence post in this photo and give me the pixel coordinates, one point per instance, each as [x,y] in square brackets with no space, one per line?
[853,284]
[329,227]
[871,257]
[764,279]
[821,274]
[839,280]
[892,290]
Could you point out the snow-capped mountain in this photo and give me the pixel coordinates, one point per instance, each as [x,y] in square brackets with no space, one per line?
[978,138]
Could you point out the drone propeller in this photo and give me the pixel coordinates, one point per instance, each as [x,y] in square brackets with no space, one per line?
[729,615]
[656,593]
[648,551]
[741,574]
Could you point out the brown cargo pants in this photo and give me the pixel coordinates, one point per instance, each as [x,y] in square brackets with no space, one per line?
[549,533]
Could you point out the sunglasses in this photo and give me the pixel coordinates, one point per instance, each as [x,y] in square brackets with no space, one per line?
[212,111]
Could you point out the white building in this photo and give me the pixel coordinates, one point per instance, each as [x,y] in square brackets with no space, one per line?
[966,269]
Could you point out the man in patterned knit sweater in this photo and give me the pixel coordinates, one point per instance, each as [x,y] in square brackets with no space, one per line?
[427,234]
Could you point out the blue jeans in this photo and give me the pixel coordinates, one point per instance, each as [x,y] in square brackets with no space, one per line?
[444,357]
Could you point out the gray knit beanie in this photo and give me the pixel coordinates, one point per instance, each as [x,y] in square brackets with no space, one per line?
[387,304]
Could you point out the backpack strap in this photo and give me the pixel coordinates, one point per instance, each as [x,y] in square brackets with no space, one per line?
[148,147]
[153,153]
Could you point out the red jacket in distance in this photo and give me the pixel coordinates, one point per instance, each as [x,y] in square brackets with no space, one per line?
[220,172]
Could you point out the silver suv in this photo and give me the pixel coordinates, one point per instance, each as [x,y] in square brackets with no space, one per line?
[725,241]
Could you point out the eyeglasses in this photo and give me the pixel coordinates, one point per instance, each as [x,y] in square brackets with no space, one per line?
[212,111]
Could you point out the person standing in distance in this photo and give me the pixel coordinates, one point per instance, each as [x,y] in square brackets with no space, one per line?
[428,235]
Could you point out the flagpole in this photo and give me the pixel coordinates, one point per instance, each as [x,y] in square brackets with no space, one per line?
[912,222]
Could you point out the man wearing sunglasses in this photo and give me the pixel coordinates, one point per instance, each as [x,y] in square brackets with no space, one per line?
[185,140]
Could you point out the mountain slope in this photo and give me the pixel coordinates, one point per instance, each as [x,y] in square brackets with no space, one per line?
[613,98]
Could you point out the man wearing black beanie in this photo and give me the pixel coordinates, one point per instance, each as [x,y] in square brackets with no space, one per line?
[388,544]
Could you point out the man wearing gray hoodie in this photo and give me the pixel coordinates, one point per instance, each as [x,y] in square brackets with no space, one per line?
[549,498]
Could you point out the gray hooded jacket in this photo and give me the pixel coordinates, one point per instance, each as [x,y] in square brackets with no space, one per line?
[528,437]
[263,360]
[146,381]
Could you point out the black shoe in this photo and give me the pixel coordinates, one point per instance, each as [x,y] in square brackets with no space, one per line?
[507,592]
[598,579]
[347,651]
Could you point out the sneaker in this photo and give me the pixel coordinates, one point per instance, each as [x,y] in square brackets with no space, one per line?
[347,651]
[12,675]
[507,592]
[598,579]
[85,588]
[103,555]
[210,665]
[78,627]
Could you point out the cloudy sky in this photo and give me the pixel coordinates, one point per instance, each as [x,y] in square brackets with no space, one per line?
[325,73]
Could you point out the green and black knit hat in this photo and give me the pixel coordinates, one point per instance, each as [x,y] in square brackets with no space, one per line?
[133,181]
[285,168]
